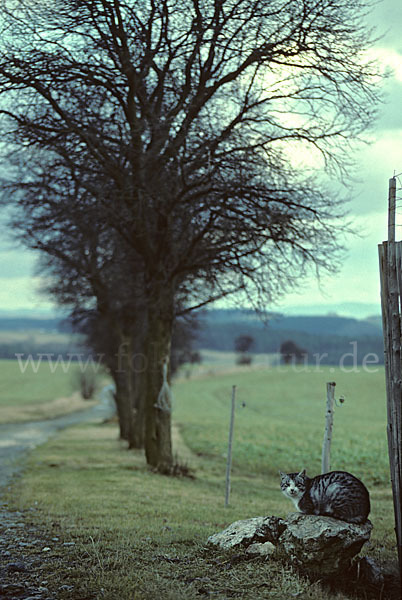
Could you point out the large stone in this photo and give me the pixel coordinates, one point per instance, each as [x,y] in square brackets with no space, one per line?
[322,545]
[318,545]
[247,532]
[258,549]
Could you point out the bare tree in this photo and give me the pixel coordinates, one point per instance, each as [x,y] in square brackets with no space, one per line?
[175,124]
[98,282]
[242,345]
[184,335]
[292,353]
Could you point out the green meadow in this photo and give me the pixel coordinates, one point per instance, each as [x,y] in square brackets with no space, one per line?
[30,391]
[280,415]
[137,535]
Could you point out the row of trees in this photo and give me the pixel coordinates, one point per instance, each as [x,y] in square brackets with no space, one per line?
[330,338]
[290,352]
[149,156]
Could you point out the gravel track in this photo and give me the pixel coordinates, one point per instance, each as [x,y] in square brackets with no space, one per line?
[26,552]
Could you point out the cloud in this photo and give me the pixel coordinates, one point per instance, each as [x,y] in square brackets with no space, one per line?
[390,114]
[389,60]
[375,165]
[16,262]
[358,279]
[386,17]
[17,293]
[19,287]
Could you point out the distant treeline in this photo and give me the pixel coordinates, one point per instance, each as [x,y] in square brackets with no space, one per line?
[38,337]
[24,348]
[329,337]
[28,324]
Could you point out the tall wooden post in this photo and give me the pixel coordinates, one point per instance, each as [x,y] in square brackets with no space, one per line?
[390,257]
[329,419]
[230,442]
[391,209]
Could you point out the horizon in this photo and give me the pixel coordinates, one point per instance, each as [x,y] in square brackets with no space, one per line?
[354,310]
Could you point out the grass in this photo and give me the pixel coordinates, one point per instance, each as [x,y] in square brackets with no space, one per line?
[139,535]
[280,419]
[31,394]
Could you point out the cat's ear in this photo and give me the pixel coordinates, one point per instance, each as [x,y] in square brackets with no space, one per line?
[302,473]
[282,474]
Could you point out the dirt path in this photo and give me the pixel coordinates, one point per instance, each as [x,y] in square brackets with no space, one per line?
[25,551]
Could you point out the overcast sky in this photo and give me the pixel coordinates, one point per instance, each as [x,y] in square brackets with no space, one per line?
[358,280]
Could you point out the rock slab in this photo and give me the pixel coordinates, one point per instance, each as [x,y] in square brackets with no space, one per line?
[248,531]
[318,545]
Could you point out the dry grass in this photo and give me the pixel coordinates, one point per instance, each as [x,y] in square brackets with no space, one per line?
[46,410]
[36,392]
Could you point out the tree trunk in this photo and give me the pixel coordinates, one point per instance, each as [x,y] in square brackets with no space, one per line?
[132,388]
[122,404]
[158,444]
[137,371]
[137,420]
[123,377]
[127,365]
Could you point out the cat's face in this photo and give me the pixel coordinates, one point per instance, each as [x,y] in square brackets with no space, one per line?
[293,485]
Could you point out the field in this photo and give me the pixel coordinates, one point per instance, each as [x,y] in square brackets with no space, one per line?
[280,418]
[138,535]
[33,393]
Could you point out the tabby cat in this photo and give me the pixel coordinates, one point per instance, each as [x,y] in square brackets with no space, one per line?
[337,494]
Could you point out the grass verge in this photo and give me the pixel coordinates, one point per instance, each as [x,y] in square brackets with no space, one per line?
[135,535]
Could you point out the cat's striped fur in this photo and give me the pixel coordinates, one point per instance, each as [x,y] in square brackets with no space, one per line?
[336,494]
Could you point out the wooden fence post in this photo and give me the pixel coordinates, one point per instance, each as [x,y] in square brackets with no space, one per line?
[329,419]
[391,209]
[390,259]
[230,441]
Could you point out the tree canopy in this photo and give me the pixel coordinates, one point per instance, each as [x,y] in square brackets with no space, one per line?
[166,145]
